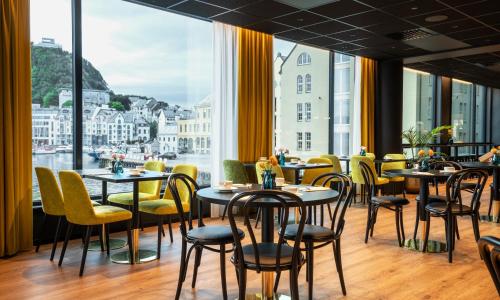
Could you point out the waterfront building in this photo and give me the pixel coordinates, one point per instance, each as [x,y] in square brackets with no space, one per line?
[194,129]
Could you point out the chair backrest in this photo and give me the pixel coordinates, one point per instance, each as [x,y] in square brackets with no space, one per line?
[393,165]
[441,164]
[50,193]
[235,171]
[370,155]
[152,187]
[454,187]
[356,175]
[489,249]
[311,174]
[258,171]
[337,168]
[368,178]
[270,198]
[343,185]
[192,172]
[176,183]
[289,158]
[77,204]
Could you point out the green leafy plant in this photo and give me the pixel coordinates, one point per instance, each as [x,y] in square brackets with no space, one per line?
[417,139]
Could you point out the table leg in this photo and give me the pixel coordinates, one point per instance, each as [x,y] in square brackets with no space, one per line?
[138,255]
[297,176]
[113,243]
[495,207]
[417,244]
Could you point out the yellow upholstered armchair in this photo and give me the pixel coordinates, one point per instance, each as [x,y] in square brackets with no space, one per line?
[396,165]
[357,177]
[79,211]
[165,207]
[334,159]
[259,170]
[311,174]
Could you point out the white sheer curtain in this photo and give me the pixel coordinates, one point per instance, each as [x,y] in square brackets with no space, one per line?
[356,111]
[224,102]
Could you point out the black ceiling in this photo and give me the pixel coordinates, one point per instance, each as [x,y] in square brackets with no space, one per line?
[380,29]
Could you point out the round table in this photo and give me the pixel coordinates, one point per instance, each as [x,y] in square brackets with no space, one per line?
[495,215]
[424,178]
[312,198]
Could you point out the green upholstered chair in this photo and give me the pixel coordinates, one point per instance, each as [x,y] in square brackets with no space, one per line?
[79,211]
[165,207]
[148,190]
[311,174]
[334,159]
[52,204]
[235,171]
[357,176]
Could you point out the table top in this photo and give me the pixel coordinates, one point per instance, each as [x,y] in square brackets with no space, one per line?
[479,165]
[418,174]
[378,161]
[290,166]
[210,195]
[106,175]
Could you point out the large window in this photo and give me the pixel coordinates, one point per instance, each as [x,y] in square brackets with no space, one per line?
[139,90]
[295,66]
[461,113]
[343,108]
[418,100]
[480,117]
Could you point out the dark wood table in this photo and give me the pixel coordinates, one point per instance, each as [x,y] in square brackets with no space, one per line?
[105,176]
[424,178]
[310,199]
[378,162]
[298,167]
[495,215]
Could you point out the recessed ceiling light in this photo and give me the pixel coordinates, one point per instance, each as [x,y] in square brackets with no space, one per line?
[436,18]
[455,26]
[414,8]
[300,20]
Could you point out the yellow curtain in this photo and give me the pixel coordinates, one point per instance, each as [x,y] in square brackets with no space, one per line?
[15,128]
[255,95]
[368,71]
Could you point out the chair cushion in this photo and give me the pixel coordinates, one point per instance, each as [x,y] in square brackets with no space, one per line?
[440,208]
[95,203]
[390,200]
[267,254]
[433,198]
[310,233]
[396,179]
[128,198]
[382,180]
[213,234]
[108,214]
[468,186]
[161,207]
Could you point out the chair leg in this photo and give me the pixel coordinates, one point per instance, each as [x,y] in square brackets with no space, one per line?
[456,229]
[368,223]
[475,226]
[85,248]
[374,220]
[330,211]
[427,225]
[449,238]
[417,221]
[224,212]
[257,218]
[310,268]
[398,229]
[40,232]
[402,227]
[242,288]
[162,231]
[277,281]
[223,270]
[56,238]
[69,229]
[490,205]
[182,270]
[170,229]
[129,242]
[106,234]
[197,261]
[101,238]
[338,263]
[294,284]
[158,244]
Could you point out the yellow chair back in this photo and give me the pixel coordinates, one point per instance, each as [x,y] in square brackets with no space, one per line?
[356,174]
[337,168]
[189,170]
[393,165]
[77,204]
[370,155]
[51,195]
[152,187]
[311,174]
[258,171]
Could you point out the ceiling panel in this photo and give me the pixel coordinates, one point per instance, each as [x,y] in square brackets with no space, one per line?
[236,18]
[267,9]
[198,9]
[328,27]
[352,35]
[296,34]
[300,19]
[341,9]
[230,4]
[269,27]
[414,8]
[322,41]
[451,15]
[483,8]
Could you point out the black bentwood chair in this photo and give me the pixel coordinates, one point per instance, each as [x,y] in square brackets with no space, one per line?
[454,206]
[375,202]
[489,248]
[324,236]
[268,256]
[202,237]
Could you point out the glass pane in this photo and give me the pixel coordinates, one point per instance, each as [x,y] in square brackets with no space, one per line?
[51,76]
[418,101]
[480,134]
[461,113]
[343,99]
[154,101]
[307,135]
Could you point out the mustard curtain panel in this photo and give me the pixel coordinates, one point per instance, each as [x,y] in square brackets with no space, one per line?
[368,70]
[255,95]
[15,128]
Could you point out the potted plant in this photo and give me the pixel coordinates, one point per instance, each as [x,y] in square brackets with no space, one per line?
[268,176]
[280,154]
[116,163]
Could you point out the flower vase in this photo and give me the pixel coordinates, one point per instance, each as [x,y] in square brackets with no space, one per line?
[495,159]
[113,166]
[424,165]
[117,167]
[281,159]
[362,152]
[268,180]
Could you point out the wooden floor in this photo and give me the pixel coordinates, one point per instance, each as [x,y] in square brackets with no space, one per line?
[377,270]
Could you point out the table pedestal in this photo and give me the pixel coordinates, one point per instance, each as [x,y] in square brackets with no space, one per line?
[113,243]
[139,255]
[495,213]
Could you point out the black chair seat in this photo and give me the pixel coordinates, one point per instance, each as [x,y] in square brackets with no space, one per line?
[311,232]
[440,208]
[389,200]
[267,255]
[467,186]
[433,198]
[213,233]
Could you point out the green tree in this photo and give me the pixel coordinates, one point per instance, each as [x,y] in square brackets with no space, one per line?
[51,98]
[68,103]
[117,105]
[153,130]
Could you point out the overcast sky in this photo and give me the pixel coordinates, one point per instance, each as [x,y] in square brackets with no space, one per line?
[138,50]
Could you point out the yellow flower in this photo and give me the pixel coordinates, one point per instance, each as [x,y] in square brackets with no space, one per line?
[421,152]
[431,152]
[493,150]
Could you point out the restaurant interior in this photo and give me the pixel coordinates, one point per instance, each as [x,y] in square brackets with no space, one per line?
[250,149]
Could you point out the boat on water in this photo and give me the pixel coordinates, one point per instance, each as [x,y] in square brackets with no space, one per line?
[64,149]
[43,150]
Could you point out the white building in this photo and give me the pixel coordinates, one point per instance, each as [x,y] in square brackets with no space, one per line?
[167,131]
[90,97]
[44,123]
[194,130]
[48,43]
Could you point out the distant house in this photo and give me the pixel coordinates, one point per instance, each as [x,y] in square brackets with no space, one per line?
[90,97]
[194,129]
[167,131]
[48,43]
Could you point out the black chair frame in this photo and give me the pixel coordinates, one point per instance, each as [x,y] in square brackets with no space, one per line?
[489,249]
